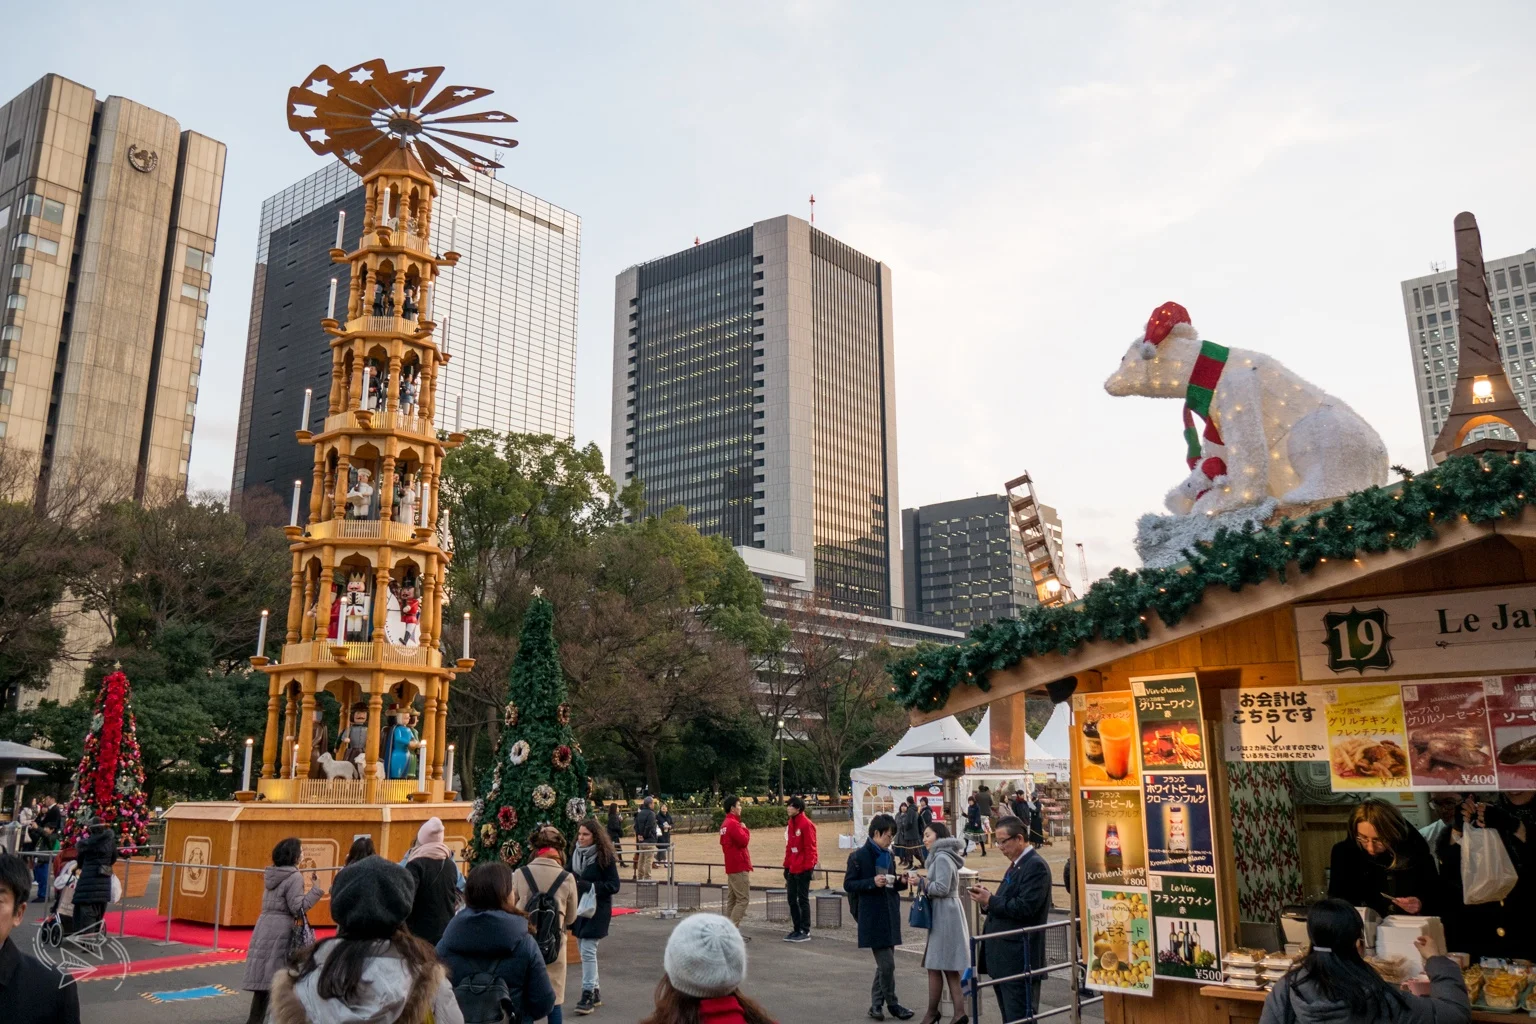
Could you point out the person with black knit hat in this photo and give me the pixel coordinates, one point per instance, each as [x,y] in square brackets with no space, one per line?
[374,970]
[706,963]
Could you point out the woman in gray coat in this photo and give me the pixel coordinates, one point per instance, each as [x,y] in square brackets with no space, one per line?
[948,951]
[283,900]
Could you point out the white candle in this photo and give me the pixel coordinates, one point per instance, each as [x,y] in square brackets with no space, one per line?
[384,207]
[293,772]
[309,393]
[245,776]
[261,636]
[448,770]
[431,294]
[458,414]
[330,306]
[421,501]
[421,766]
[341,220]
[293,511]
[362,399]
[466,634]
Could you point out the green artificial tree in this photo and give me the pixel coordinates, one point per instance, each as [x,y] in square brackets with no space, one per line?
[538,776]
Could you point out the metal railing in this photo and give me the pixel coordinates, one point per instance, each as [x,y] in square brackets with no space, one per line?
[1072,964]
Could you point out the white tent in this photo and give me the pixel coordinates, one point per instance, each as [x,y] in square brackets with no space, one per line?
[880,786]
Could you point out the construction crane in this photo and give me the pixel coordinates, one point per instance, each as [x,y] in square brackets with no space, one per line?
[1051,587]
[1082,566]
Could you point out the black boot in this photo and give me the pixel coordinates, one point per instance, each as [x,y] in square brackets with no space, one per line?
[586,1005]
[597,997]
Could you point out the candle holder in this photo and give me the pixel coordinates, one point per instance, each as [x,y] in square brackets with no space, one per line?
[293,532]
[245,796]
[260,661]
[465,664]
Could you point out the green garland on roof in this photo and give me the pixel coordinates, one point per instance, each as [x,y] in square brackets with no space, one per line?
[1481,488]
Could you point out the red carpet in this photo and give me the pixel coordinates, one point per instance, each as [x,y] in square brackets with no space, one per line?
[112,972]
[149,924]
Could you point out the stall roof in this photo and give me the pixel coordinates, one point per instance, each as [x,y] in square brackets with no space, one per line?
[21,752]
[978,672]
[893,769]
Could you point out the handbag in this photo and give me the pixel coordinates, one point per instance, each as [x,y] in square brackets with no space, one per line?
[300,935]
[920,916]
[587,905]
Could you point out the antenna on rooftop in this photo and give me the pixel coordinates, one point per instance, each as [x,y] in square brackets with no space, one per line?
[813,207]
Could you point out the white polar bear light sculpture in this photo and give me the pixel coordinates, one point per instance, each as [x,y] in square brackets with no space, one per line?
[1268,434]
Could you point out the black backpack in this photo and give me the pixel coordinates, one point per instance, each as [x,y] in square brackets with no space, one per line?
[483,997]
[545,920]
[853,897]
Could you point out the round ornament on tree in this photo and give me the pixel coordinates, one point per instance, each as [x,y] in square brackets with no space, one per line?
[538,770]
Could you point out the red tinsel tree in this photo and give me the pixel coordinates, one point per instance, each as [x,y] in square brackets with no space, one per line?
[109,782]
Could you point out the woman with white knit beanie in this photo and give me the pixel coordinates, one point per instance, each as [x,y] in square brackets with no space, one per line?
[706,963]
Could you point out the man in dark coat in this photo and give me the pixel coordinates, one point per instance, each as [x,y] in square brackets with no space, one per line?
[645,839]
[30,992]
[97,853]
[1021,901]
[872,881]
[984,801]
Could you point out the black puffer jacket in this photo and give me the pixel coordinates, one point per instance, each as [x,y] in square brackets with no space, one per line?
[1445,1004]
[496,941]
[97,853]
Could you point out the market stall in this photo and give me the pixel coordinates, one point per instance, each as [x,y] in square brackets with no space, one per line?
[1335,698]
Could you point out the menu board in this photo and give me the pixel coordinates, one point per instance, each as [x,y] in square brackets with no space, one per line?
[1274,724]
[1107,753]
[1113,853]
[1120,941]
[1449,746]
[1178,814]
[1168,725]
[1511,702]
[1367,748]
[1184,924]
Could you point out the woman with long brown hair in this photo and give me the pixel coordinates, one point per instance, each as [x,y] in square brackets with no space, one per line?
[374,968]
[706,963]
[491,936]
[1384,864]
[546,874]
[596,870]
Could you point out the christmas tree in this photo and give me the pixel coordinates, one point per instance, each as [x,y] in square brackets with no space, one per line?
[109,781]
[538,776]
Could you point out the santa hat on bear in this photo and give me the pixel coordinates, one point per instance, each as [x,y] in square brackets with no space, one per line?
[1165,320]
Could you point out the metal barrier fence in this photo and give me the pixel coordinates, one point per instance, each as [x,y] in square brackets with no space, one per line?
[1073,964]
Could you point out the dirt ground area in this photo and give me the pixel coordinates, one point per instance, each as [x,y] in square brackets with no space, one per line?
[700,859]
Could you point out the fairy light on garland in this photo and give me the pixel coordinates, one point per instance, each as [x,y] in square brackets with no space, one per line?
[1118,607]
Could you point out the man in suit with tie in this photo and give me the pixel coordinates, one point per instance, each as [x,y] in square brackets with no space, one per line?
[1022,900]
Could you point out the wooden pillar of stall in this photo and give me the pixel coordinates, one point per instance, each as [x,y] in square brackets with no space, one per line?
[1007,732]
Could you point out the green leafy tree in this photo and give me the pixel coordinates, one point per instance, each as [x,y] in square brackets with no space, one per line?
[538,775]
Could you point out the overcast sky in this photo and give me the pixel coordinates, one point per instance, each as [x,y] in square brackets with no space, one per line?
[1037,179]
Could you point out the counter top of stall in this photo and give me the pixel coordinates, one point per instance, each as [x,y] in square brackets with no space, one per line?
[1255,997]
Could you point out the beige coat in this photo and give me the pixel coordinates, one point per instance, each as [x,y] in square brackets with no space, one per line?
[544,872]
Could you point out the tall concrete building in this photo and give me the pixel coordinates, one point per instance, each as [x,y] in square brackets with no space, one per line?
[965,564]
[1429,305]
[508,312]
[109,213]
[753,384]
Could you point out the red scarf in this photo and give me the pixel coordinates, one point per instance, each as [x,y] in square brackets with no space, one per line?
[721,1010]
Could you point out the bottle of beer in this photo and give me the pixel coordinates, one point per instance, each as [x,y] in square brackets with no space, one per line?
[1178,833]
[1093,746]
[1113,860]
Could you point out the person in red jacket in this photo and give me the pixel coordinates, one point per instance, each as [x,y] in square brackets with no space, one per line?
[735,840]
[800,857]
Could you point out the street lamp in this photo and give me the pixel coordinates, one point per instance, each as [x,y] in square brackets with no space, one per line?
[781,760]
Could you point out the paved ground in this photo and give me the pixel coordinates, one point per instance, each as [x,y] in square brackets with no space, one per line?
[826,980]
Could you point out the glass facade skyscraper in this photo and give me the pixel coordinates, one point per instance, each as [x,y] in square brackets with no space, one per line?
[508,311]
[753,385]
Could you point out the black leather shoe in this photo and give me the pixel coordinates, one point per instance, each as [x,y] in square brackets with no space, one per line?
[875,1014]
[900,1012]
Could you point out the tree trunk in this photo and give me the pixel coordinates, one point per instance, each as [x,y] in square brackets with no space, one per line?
[467,770]
[652,775]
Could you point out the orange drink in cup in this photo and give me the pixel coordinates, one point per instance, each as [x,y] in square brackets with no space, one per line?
[1116,736]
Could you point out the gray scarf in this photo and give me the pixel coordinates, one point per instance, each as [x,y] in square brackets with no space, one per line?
[582,857]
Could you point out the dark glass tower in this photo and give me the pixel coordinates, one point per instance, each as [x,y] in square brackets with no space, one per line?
[753,385]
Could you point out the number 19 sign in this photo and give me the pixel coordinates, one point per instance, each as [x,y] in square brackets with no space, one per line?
[1487,632]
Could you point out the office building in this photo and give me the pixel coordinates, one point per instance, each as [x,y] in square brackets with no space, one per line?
[965,563]
[753,384]
[109,213]
[507,314]
[1429,305]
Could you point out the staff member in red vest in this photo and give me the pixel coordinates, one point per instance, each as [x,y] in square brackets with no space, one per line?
[736,841]
[800,857]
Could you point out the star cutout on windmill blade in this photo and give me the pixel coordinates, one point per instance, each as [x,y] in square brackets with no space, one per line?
[361,75]
[320,87]
[416,76]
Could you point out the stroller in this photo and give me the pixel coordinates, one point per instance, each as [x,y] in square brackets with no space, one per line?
[59,921]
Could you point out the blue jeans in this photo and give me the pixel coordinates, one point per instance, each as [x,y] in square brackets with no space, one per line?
[556,1016]
[588,949]
[40,876]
